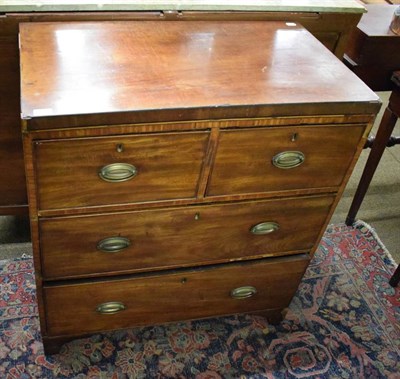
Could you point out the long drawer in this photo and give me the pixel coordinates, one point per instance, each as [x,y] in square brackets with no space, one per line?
[117,170]
[285,158]
[183,295]
[160,239]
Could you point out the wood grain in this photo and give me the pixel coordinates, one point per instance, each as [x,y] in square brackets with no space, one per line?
[332,29]
[168,167]
[177,237]
[203,73]
[200,108]
[156,299]
[243,162]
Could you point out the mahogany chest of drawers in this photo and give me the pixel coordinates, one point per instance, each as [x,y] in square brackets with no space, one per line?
[196,161]
[331,23]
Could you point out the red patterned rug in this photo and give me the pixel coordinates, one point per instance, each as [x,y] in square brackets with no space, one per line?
[344,322]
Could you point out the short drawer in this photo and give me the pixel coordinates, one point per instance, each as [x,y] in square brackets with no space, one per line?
[185,236]
[183,295]
[117,170]
[284,158]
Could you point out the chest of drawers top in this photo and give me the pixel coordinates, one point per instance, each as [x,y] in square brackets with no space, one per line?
[103,73]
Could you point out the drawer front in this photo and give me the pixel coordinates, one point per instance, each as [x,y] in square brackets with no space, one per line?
[318,157]
[87,172]
[160,239]
[99,306]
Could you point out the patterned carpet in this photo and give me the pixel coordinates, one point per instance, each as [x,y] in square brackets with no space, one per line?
[344,322]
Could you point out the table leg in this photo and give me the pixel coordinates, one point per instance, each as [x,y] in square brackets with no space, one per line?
[383,135]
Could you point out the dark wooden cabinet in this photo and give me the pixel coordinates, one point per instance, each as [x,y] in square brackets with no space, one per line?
[13,197]
[189,162]
[373,51]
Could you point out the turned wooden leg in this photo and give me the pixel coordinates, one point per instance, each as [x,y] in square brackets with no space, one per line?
[383,139]
[378,147]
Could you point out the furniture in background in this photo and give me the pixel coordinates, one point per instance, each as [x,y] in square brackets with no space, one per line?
[373,50]
[378,144]
[330,21]
[374,55]
[180,170]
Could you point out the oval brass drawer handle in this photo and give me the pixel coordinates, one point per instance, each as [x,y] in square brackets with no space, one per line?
[110,308]
[288,159]
[265,228]
[118,172]
[243,292]
[113,244]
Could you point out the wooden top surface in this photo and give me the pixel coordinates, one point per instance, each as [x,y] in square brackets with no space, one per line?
[376,23]
[111,67]
[342,6]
